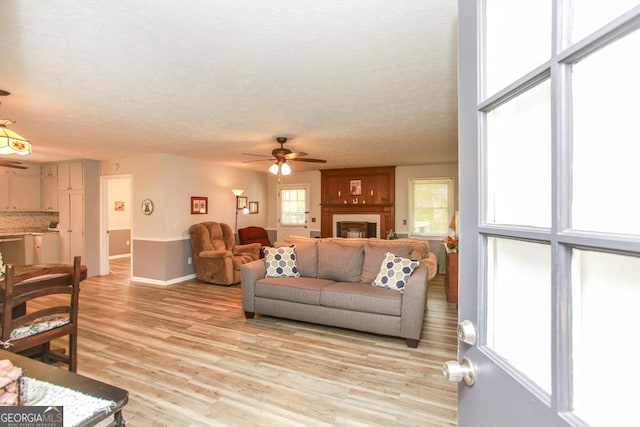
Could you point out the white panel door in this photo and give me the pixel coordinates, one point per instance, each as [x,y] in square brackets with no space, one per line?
[293,211]
[549,235]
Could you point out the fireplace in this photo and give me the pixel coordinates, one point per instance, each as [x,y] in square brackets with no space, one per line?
[372,200]
[352,229]
[354,225]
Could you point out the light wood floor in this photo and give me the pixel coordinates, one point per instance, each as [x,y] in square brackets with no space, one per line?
[188,357]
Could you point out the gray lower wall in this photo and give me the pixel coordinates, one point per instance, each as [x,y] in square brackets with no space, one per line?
[161,261]
[119,242]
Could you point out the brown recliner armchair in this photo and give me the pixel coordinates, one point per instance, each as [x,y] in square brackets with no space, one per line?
[216,257]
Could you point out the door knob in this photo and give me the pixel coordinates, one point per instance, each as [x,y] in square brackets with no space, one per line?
[467,332]
[463,371]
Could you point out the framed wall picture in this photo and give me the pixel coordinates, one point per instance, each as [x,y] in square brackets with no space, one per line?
[253,207]
[147,206]
[241,202]
[199,205]
[355,186]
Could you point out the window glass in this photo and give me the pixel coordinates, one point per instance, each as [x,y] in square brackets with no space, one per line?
[431,206]
[605,294]
[515,46]
[589,15]
[519,160]
[606,139]
[519,306]
[292,207]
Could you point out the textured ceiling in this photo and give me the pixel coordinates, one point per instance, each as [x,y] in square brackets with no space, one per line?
[358,83]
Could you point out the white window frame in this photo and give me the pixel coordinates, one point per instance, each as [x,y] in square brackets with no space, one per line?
[450,203]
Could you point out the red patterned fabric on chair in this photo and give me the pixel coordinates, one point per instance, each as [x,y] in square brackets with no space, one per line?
[254,234]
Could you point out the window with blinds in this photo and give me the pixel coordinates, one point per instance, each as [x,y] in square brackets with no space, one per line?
[430,206]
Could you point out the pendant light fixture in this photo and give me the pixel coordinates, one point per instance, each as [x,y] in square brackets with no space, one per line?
[280,167]
[10,141]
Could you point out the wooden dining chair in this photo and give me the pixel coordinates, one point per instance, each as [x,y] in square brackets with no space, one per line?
[50,293]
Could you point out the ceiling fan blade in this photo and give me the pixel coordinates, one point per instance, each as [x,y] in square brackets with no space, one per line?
[14,165]
[305,159]
[292,156]
[256,155]
[259,160]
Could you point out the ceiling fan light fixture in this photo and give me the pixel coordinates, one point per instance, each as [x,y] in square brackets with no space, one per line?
[11,142]
[285,169]
[274,168]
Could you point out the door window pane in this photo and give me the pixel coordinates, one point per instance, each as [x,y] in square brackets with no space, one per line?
[292,207]
[589,15]
[519,306]
[519,160]
[515,46]
[606,139]
[605,294]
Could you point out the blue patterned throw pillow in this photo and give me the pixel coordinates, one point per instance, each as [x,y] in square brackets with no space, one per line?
[394,272]
[281,262]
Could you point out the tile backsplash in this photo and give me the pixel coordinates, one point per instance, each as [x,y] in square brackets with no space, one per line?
[26,220]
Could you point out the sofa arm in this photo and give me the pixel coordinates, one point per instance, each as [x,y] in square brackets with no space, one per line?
[414,303]
[431,262]
[215,254]
[249,274]
[247,248]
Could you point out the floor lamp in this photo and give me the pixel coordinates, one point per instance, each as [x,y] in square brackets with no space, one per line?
[238,192]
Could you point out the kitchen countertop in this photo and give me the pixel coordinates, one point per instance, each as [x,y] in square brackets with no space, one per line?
[24,231]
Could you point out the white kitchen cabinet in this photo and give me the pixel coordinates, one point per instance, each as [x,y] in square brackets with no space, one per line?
[50,193]
[21,189]
[71,225]
[71,175]
[49,169]
[46,248]
[29,250]
[5,199]
[79,212]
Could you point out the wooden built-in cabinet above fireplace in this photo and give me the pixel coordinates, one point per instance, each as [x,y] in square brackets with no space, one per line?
[358,191]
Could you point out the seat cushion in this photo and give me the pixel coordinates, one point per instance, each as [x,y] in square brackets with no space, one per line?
[362,297]
[41,324]
[305,290]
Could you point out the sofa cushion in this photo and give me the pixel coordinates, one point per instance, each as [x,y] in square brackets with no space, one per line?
[339,262]
[304,290]
[306,256]
[361,297]
[395,272]
[374,255]
[281,262]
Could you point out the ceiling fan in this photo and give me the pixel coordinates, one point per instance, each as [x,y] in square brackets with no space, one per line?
[12,164]
[281,155]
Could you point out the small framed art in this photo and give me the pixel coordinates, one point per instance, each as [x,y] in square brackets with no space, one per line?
[241,202]
[355,186]
[199,205]
[253,207]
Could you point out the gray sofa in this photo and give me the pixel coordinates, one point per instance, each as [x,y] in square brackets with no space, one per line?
[334,287]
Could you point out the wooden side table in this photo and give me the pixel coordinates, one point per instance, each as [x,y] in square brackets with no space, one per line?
[451,276]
